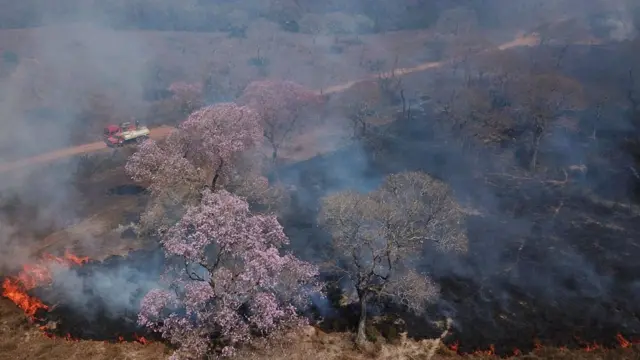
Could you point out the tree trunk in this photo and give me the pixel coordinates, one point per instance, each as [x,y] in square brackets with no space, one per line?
[534,157]
[274,154]
[216,176]
[361,337]
[404,103]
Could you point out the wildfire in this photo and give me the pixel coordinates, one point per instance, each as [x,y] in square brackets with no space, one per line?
[16,288]
[32,276]
[490,351]
[141,339]
[586,346]
[13,290]
[624,343]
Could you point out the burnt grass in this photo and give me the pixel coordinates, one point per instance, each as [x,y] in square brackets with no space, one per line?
[86,313]
[549,262]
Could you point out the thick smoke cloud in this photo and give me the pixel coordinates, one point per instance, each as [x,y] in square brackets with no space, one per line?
[112,288]
[43,99]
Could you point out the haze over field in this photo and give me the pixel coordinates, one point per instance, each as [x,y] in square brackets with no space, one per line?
[499,139]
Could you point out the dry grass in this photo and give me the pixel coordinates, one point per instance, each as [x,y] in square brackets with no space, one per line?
[21,341]
[94,235]
[314,344]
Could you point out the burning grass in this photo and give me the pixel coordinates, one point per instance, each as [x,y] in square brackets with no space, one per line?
[32,276]
[35,292]
[50,314]
[20,339]
[48,320]
[34,333]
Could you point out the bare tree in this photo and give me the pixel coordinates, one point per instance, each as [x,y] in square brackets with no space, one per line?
[500,69]
[474,115]
[380,236]
[359,103]
[543,98]
[390,85]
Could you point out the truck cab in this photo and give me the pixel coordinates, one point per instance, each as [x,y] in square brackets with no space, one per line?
[111,135]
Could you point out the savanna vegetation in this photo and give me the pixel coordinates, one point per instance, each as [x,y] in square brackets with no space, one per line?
[487,202]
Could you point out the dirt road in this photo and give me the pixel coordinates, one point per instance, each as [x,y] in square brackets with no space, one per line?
[156,133]
[162,131]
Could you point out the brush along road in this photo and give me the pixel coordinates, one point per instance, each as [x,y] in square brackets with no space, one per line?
[160,132]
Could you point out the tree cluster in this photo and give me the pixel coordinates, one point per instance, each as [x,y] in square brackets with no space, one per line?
[229,279]
[504,100]
[376,15]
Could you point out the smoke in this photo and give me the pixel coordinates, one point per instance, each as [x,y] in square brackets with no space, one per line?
[622,29]
[539,249]
[101,60]
[111,288]
[45,95]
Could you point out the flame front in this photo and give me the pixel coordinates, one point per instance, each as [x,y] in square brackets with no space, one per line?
[34,275]
[13,290]
[623,343]
[16,288]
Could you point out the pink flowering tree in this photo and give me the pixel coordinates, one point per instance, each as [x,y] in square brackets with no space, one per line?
[208,150]
[282,105]
[229,281]
[188,95]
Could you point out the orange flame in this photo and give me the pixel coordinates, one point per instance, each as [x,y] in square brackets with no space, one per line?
[16,288]
[14,291]
[624,343]
[455,346]
[32,276]
[536,344]
[591,347]
[490,351]
[141,339]
[585,346]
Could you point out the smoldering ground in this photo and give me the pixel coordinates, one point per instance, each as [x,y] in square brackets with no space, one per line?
[528,263]
[100,299]
[545,262]
[550,258]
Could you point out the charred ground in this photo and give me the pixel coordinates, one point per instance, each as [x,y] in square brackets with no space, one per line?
[552,253]
[552,249]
